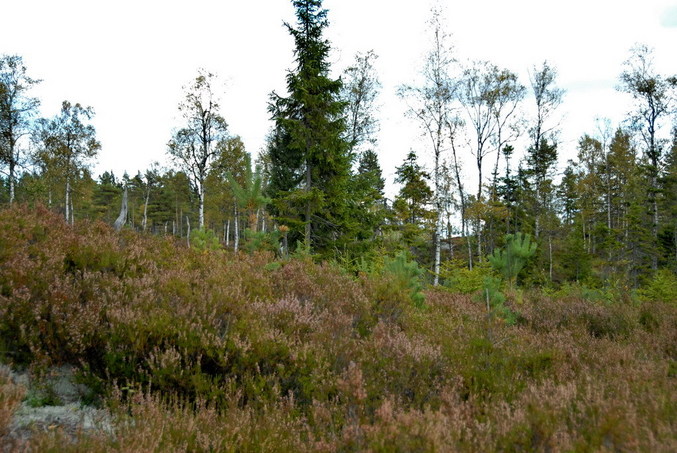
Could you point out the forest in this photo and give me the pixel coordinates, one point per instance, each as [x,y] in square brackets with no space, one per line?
[280,301]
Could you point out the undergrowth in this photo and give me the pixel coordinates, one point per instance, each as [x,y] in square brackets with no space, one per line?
[215,351]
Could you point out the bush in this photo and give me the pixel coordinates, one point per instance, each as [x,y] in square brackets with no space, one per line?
[406,276]
[204,239]
[457,277]
[662,287]
[220,351]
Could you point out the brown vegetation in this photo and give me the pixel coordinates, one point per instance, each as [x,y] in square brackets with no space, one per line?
[212,351]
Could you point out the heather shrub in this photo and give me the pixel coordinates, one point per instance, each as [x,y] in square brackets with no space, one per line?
[196,350]
[405,364]
[10,399]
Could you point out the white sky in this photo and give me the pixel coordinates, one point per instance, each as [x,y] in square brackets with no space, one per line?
[130,58]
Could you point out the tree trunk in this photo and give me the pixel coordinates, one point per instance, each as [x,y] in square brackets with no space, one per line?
[438,216]
[145,210]
[11,179]
[449,237]
[236,241]
[122,218]
[550,254]
[68,193]
[308,207]
[479,240]
[188,232]
[202,205]
[467,237]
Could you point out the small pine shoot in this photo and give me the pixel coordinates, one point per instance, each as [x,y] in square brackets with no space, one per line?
[510,260]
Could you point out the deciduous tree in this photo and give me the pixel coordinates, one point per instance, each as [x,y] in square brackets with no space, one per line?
[17,110]
[193,146]
[430,102]
[67,144]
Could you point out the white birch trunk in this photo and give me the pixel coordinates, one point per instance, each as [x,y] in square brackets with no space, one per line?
[236,226]
[202,206]
[145,211]
[188,233]
[68,192]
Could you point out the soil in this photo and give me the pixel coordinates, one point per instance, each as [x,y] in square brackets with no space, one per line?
[52,402]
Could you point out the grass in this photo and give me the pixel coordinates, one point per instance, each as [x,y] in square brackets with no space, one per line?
[220,352]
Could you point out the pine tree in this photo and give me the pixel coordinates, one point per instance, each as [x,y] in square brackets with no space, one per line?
[310,160]
[510,260]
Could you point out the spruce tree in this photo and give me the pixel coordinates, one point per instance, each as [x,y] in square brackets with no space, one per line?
[412,205]
[310,160]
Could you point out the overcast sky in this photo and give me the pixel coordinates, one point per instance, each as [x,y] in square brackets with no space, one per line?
[129,59]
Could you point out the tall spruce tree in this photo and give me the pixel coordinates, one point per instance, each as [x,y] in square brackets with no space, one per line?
[310,159]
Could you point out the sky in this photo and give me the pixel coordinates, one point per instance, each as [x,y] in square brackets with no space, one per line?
[129,60]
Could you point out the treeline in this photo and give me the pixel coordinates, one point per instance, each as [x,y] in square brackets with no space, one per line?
[610,217]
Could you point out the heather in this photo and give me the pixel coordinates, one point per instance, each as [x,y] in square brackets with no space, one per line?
[198,350]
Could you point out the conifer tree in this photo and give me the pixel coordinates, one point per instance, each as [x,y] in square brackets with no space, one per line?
[368,192]
[310,160]
[510,260]
[412,204]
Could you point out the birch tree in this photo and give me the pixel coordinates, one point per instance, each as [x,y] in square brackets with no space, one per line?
[67,143]
[430,102]
[653,96]
[360,90]
[193,146]
[16,112]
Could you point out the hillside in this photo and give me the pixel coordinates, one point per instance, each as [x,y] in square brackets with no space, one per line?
[193,350]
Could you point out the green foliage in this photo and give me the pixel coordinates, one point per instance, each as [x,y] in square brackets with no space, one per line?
[457,277]
[204,239]
[407,275]
[510,259]
[411,206]
[494,299]
[261,241]
[310,159]
[42,394]
[662,287]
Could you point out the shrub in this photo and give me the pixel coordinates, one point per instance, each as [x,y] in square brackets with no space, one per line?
[204,239]
[457,277]
[662,287]
[10,400]
[408,275]
[510,259]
